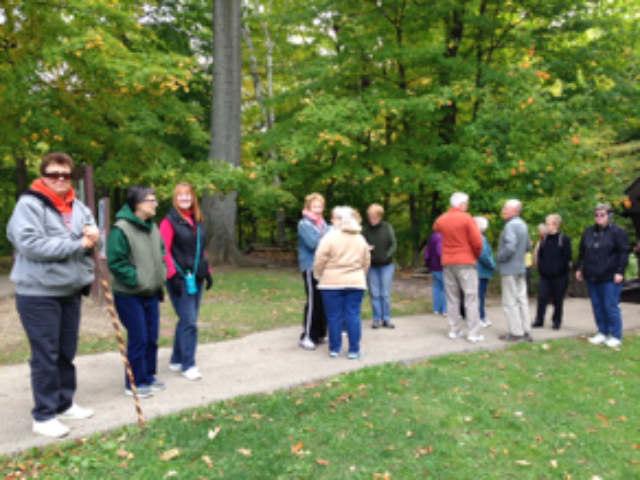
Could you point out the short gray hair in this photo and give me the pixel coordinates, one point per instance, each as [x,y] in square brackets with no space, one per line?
[483,223]
[458,199]
[515,203]
[603,206]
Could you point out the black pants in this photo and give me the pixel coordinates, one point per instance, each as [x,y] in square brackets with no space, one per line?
[556,288]
[314,324]
[51,325]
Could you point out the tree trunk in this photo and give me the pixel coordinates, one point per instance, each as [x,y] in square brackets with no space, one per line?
[415,239]
[220,211]
[21,174]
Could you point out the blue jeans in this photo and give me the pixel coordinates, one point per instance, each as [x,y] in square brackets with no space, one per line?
[140,316]
[438,296]
[482,292]
[343,306]
[605,297]
[185,340]
[379,281]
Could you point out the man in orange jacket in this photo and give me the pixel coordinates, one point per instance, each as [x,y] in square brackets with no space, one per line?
[461,247]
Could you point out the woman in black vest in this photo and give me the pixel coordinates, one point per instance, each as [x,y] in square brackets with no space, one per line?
[187,268]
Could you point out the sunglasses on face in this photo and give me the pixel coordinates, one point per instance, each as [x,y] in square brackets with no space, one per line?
[600,214]
[57,175]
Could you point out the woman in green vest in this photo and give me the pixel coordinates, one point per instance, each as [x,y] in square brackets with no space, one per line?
[134,256]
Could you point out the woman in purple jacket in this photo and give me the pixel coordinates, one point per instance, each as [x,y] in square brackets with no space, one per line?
[432,255]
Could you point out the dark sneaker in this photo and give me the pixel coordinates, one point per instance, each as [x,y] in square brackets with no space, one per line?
[143,391]
[556,327]
[514,338]
[388,324]
[375,324]
[156,386]
[537,325]
[528,337]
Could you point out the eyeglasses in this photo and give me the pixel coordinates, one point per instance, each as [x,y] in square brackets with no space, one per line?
[57,175]
[600,214]
[151,200]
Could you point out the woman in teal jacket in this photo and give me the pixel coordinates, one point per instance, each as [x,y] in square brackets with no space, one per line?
[485,267]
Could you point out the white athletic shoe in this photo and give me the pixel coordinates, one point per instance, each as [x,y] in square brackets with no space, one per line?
[76,412]
[307,344]
[192,374]
[613,343]
[476,338]
[50,428]
[485,322]
[455,335]
[597,339]
[175,367]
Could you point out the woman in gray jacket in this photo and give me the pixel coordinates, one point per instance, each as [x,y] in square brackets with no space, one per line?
[53,234]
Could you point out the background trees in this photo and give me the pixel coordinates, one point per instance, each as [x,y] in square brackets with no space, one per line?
[396,101]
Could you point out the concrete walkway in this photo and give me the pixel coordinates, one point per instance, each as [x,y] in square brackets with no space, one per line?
[261,362]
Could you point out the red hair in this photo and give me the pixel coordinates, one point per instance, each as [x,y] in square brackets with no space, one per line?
[184,187]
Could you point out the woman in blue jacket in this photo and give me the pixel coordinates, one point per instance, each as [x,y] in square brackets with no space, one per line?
[311,229]
[485,267]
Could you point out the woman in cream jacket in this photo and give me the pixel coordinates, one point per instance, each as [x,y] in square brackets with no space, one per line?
[341,264]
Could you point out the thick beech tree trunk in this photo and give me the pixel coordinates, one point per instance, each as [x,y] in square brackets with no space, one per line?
[220,211]
[21,174]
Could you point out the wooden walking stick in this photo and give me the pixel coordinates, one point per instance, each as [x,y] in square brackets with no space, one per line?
[116,327]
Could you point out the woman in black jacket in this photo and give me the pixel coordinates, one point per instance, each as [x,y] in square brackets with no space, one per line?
[603,257]
[553,259]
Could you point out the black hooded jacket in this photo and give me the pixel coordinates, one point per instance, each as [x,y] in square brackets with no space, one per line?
[604,252]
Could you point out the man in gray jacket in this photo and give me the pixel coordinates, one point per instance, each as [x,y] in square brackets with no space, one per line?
[514,244]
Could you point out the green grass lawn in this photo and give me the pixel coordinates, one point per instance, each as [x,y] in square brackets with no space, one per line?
[241,301]
[564,409]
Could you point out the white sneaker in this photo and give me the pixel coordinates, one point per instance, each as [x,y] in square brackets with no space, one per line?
[175,367]
[485,322]
[597,339]
[192,374]
[307,344]
[76,412]
[50,428]
[613,343]
[474,339]
[454,335]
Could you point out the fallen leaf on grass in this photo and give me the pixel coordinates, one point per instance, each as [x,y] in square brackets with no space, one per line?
[468,419]
[612,401]
[381,476]
[636,446]
[213,433]
[256,416]
[297,447]
[123,464]
[601,417]
[554,463]
[245,452]
[207,459]
[170,454]
[622,419]
[523,463]
[322,462]
[409,434]
[171,473]
[592,430]
[122,453]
